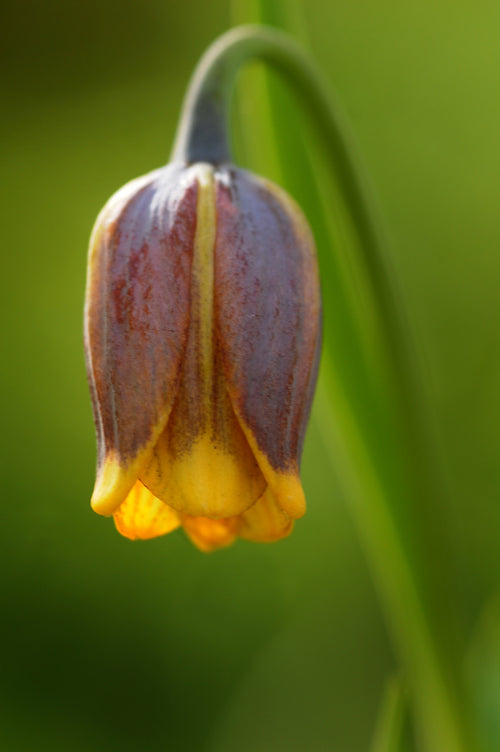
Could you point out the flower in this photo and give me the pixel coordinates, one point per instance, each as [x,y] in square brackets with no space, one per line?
[202,337]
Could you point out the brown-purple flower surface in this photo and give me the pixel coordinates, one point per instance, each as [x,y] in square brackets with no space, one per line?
[202,336]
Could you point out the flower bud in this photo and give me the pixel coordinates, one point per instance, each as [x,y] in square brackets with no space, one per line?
[202,337]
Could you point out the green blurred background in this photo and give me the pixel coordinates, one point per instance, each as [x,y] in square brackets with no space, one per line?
[108,645]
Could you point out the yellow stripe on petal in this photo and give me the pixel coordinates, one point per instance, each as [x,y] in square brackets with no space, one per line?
[208,535]
[202,304]
[202,464]
[265,522]
[142,515]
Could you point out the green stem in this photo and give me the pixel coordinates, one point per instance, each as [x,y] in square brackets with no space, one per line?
[418,632]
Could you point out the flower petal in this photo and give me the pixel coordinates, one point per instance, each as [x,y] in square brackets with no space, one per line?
[208,535]
[268,321]
[265,522]
[143,516]
[136,321]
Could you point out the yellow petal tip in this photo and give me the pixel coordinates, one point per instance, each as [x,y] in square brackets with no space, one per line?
[112,485]
[265,522]
[289,494]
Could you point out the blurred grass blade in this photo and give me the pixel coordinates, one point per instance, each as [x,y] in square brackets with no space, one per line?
[390,730]
[483,671]
[369,405]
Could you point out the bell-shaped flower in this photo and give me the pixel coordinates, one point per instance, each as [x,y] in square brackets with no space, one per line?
[202,335]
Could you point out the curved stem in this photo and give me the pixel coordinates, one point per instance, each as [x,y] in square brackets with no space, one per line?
[203,136]
[411,612]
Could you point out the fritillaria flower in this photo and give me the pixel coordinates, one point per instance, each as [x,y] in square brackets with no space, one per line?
[202,332]
[202,337]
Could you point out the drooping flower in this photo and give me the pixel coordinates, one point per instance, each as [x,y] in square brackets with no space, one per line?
[202,336]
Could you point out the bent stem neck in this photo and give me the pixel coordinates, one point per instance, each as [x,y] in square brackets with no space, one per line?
[202,134]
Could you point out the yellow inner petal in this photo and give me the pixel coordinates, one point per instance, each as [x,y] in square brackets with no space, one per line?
[209,535]
[202,464]
[143,516]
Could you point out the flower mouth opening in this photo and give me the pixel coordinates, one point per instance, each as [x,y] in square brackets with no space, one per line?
[143,516]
